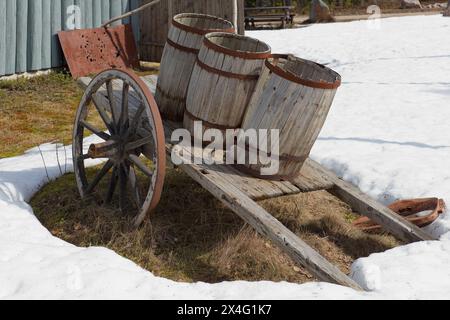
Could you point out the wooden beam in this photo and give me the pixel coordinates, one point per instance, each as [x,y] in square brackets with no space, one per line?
[311,180]
[265,224]
[366,206]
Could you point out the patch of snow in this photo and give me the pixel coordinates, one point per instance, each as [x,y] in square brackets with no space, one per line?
[368,275]
[386,133]
[25,75]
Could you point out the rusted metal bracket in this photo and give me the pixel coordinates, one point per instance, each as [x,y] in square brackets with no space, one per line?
[409,209]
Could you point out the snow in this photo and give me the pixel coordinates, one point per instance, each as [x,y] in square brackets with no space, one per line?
[386,133]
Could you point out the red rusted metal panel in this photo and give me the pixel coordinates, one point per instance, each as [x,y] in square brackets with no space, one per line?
[90,51]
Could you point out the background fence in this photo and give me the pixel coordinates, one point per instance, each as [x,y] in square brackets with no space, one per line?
[28,29]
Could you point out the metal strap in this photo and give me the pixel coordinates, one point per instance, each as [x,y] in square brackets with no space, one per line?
[201,32]
[235,53]
[284,157]
[206,123]
[294,78]
[182,48]
[226,74]
[167,95]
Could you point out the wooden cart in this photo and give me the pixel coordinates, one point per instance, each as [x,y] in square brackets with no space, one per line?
[136,133]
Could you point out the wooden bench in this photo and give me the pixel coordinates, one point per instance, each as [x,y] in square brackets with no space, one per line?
[285,14]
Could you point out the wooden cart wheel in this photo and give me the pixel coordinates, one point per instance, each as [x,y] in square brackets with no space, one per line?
[119,110]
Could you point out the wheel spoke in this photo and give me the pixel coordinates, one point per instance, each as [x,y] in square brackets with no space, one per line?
[132,178]
[101,111]
[99,176]
[137,120]
[84,157]
[138,143]
[112,186]
[112,102]
[94,130]
[124,122]
[141,166]
[122,187]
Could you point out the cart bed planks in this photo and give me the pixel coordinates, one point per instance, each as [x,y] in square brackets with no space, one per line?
[240,192]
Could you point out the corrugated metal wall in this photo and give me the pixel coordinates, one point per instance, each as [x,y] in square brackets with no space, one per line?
[28,29]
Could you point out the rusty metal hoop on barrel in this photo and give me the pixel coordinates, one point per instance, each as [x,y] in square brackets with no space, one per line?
[130,141]
[179,56]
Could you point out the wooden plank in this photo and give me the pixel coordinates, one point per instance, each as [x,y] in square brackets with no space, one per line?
[371,208]
[266,225]
[255,188]
[311,179]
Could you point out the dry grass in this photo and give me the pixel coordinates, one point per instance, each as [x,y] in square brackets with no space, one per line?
[36,111]
[192,237]
[41,109]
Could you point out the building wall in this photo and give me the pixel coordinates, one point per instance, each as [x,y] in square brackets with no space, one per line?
[155,25]
[28,29]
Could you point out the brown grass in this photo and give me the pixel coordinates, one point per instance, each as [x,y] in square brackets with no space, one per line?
[192,237]
[42,109]
[36,111]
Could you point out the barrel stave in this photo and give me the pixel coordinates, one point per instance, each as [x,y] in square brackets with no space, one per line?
[178,60]
[223,80]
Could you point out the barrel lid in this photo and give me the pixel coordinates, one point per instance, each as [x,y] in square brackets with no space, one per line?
[177,22]
[333,81]
[255,55]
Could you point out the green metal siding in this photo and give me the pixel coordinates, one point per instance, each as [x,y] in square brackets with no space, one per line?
[28,28]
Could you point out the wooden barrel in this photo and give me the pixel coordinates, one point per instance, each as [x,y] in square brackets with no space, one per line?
[224,77]
[294,96]
[181,50]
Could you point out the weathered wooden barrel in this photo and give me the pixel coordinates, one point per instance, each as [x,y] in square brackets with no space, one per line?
[293,96]
[179,56]
[222,82]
